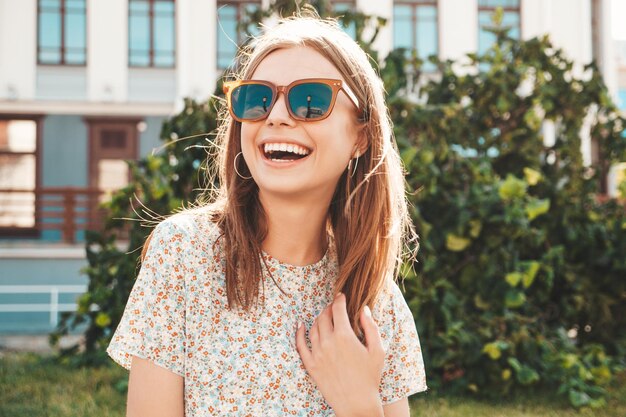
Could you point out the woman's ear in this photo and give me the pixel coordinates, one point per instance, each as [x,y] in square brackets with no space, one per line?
[362,142]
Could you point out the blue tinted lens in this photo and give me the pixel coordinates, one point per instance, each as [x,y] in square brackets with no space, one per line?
[310,100]
[251,101]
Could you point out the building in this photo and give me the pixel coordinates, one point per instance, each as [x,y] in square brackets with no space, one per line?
[86,84]
[618,172]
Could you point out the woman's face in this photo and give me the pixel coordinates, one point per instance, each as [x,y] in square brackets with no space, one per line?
[330,143]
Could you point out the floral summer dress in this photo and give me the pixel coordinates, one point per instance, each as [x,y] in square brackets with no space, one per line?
[239,363]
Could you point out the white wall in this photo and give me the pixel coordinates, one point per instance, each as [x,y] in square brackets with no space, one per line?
[384,40]
[536,17]
[196,43]
[107,50]
[568,22]
[458,28]
[607,51]
[18,49]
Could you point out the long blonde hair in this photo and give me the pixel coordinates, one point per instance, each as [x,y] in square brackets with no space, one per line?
[368,216]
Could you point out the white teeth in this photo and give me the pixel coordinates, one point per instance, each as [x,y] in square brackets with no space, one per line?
[285,147]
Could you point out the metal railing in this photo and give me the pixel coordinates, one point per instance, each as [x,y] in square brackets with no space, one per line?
[67,210]
[54,307]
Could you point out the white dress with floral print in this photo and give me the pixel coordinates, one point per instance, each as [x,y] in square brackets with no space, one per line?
[237,363]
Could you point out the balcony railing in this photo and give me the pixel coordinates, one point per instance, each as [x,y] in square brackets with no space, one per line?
[54,307]
[51,214]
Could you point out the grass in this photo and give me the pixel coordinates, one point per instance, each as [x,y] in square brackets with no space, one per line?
[32,386]
[520,406]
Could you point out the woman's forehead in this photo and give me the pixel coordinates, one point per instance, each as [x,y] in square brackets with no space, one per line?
[285,65]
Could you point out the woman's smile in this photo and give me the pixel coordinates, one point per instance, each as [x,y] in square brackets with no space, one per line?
[283,152]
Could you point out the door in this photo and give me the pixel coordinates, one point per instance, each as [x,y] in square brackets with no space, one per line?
[111,143]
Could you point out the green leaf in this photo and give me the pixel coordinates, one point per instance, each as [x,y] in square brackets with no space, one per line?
[524,374]
[532,176]
[480,303]
[426,156]
[601,373]
[536,207]
[84,301]
[513,278]
[578,398]
[597,403]
[593,216]
[492,350]
[527,376]
[569,360]
[514,299]
[531,273]
[456,243]
[103,320]
[475,228]
[512,188]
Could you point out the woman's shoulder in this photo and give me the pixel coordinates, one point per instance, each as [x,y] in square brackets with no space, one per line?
[194,226]
[194,221]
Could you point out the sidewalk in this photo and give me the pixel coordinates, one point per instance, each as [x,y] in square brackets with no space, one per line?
[33,343]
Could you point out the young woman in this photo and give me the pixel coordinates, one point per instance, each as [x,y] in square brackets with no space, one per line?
[279,297]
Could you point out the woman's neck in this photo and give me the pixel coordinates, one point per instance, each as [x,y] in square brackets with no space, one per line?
[296,230]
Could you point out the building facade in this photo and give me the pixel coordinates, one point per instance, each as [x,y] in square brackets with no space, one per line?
[86,85]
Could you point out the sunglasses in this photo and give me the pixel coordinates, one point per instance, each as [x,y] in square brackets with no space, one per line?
[307,100]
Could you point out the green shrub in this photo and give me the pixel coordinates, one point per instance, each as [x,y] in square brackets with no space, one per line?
[521,276]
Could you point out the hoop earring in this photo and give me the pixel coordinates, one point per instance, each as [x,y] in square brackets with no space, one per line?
[235,166]
[355,165]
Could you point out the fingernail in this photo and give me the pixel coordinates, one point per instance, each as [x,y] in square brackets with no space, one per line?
[338,294]
[368,312]
[299,324]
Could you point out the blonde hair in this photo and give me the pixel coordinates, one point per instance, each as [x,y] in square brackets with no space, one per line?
[368,216]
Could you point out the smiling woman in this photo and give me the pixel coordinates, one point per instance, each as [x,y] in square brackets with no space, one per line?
[279,297]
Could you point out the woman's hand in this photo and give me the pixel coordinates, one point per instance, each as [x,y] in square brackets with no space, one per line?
[346,372]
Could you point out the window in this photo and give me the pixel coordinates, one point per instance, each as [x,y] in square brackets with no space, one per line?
[229,35]
[510,18]
[62,29]
[415,28]
[151,34]
[18,172]
[340,7]
[621,98]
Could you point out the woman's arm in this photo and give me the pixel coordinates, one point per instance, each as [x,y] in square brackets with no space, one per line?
[398,408]
[154,391]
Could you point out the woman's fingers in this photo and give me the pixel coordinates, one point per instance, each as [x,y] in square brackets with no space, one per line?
[372,335]
[340,314]
[325,323]
[314,336]
[302,348]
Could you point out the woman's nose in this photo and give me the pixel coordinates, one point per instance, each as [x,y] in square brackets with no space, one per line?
[279,114]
